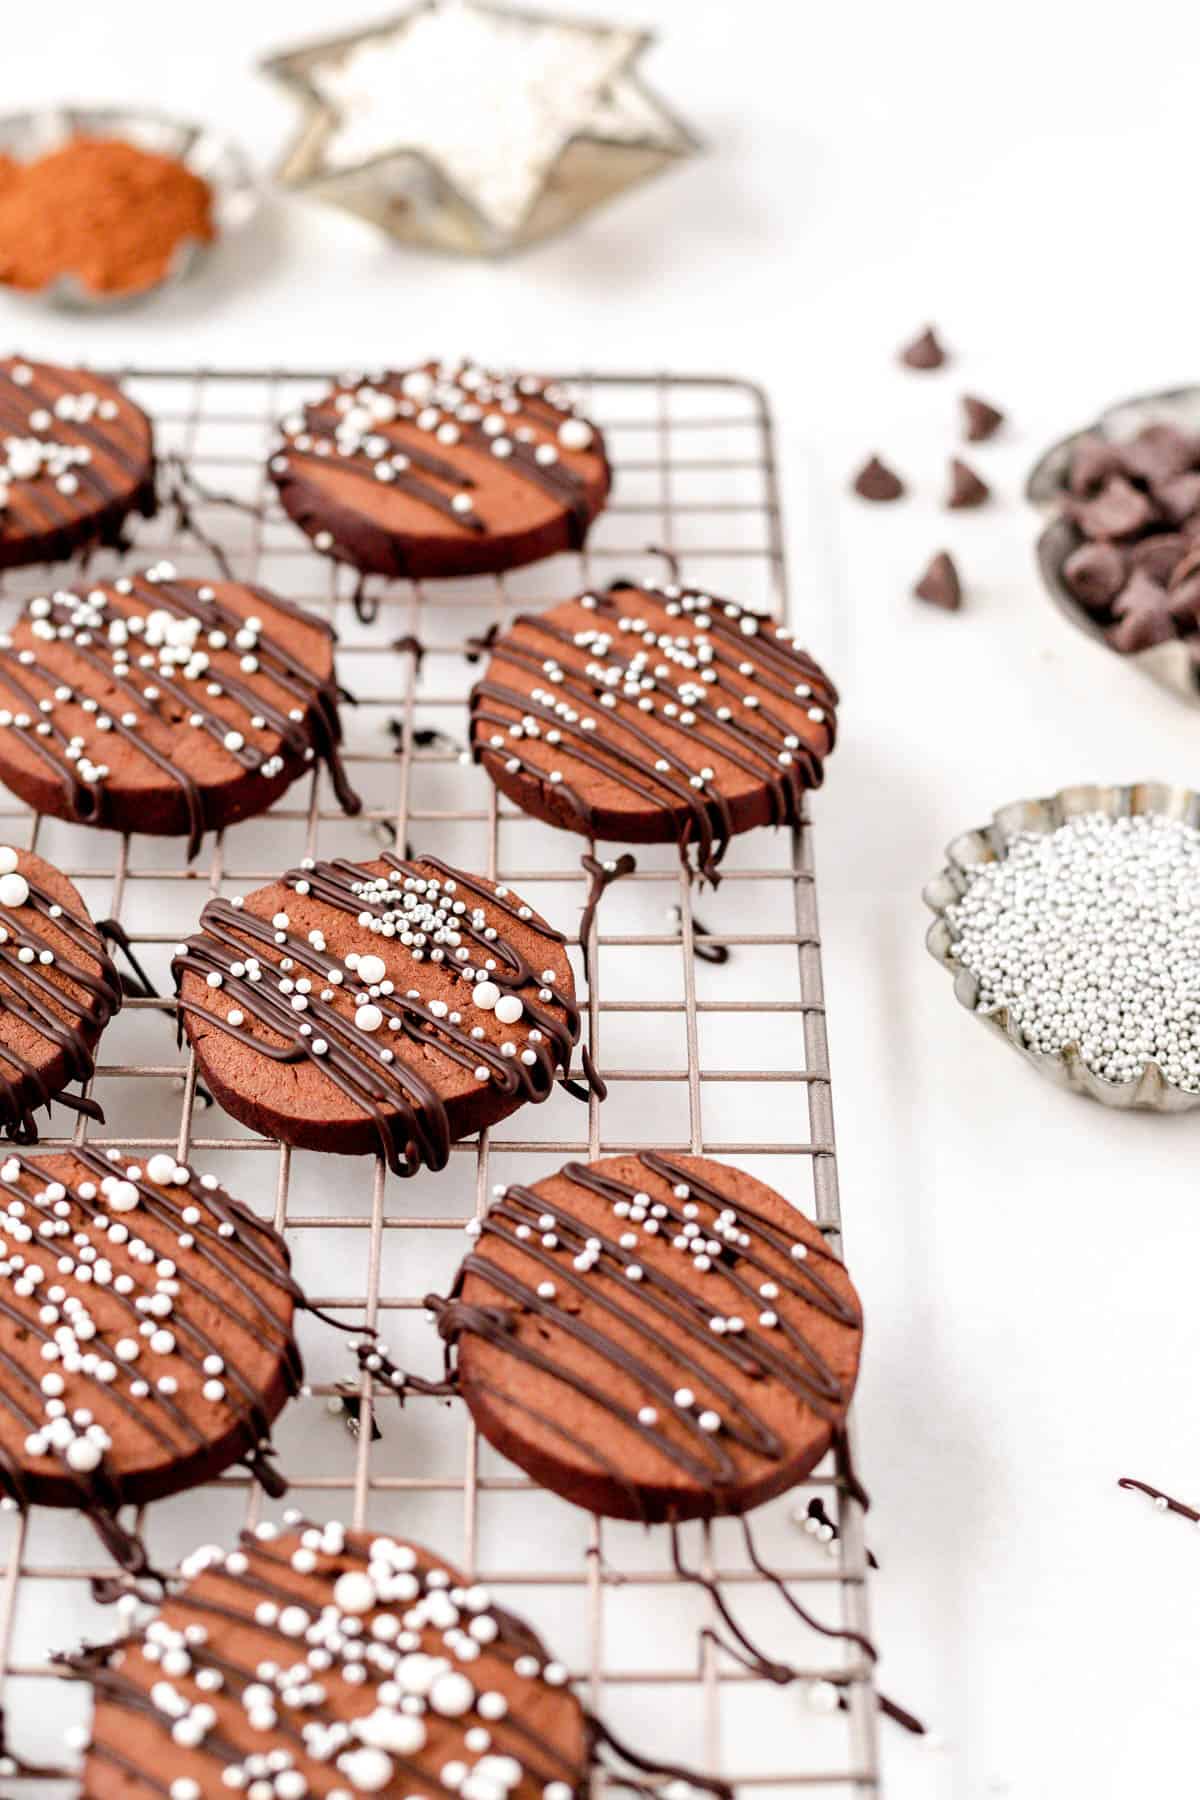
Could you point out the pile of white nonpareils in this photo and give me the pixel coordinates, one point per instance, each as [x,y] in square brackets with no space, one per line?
[1089,936]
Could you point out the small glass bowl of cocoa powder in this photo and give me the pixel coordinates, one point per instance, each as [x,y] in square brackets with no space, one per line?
[103,208]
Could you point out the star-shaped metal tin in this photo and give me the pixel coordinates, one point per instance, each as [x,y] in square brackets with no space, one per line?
[475,127]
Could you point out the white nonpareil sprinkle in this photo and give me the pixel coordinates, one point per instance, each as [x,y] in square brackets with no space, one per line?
[1089,936]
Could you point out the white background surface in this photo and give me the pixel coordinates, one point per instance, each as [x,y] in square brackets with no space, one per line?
[1028,1261]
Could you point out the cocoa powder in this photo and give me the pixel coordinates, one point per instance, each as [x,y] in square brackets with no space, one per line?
[101,210]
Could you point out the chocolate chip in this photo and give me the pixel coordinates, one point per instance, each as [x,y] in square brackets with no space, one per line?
[875,481]
[1158,554]
[1187,566]
[1184,601]
[1092,462]
[980,420]
[966,489]
[940,584]
[925,351]
[1095,574]
[1160,452]
[1180,496]
[1119,511]
[1143,613]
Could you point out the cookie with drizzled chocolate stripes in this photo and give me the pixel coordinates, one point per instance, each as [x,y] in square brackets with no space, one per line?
[58,990]
[654,1337]
[393,1006]
[444,469]
[653,714]
[145,1333]
[321,1661]
[76,459]
[166,706]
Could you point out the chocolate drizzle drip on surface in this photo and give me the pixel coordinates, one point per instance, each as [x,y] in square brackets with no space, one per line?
[221,1234]
[139,986]
[1163,1502]
[602,874]
[702,948]
[407,1112]
[478,647]
[699,692]
[70,1014]
[747,1652]
[30,675]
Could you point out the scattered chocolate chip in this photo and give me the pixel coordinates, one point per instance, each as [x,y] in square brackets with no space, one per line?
[1093,460]
[1119,510]
[1143,614]
[980,420]
[875,481]
[925,351]
[940,584]
[966,489]
[1095,574]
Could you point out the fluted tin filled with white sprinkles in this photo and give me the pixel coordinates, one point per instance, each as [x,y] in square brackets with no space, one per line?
[1071,925]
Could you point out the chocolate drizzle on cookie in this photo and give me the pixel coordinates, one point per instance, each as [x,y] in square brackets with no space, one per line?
[659,1330]
[646,695]
[165,648]
[353,1658]
[405,431]
[67,1009]
[369,1035]
[155,1368]
[75,460]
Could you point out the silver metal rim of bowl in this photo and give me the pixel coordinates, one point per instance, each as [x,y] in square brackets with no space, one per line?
[1151,1091]
[1171,665]
[236,194]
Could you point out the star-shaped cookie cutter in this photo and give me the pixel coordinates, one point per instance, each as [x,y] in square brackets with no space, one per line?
[475,128]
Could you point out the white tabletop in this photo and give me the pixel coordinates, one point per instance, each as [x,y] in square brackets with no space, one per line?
[1027,1259]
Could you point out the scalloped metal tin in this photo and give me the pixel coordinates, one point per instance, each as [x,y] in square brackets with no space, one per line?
[221,164]
[1172,665]
[1151,1092]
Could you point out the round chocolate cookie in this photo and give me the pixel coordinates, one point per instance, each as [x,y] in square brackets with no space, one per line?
[336,1663]
[441,470]
[654,1337]
[58,990]
[76,458]
[388,1006]
[165,706]
[145,1332]
[647,714]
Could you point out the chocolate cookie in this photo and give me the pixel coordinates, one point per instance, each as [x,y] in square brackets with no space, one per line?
[441,470]
[646,714]
[145,1332]
[58,990]
[165,706]
[388,1006]
[323,1661]
[76,458]
[654,1337]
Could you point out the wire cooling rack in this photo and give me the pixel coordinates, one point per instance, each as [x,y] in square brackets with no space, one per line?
[725,1058]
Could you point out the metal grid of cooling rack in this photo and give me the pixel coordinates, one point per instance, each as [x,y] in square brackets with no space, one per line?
[728,1059]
